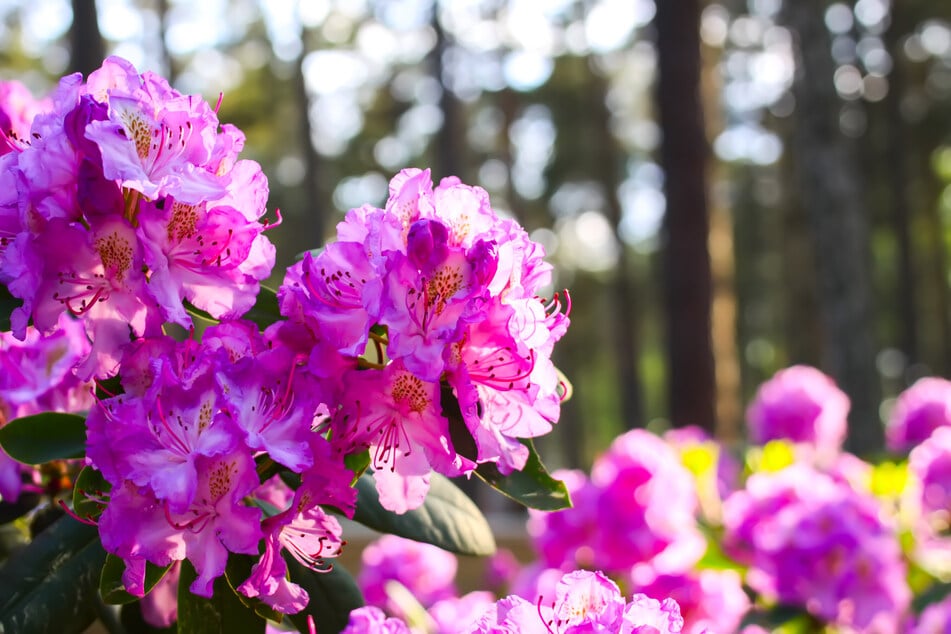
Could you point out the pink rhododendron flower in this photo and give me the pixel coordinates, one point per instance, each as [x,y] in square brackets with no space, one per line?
[800,404]
[709,600]
[928,498]
[584,602]
[455,614]
[38,375]
[646,507]
[149,195]
[918,411]
[813,541]
[18,108]
[426,571]
[371,620]
[438,290]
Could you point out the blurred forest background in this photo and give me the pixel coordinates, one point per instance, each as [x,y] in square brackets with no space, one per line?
[727,188]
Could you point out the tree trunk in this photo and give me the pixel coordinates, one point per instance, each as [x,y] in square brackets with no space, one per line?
[684,151]
[832,194]
[86,47]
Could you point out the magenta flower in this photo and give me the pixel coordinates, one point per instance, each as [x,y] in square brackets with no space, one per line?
[919,410]
[426,571]
[455,613]
[584,602]
[397,415]
[646,508]
[150,196]
[800,404]
[371,620]
[709,600]
[813,541]
[18,108]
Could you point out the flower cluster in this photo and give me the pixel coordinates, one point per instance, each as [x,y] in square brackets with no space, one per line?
[639,507]
[812,540]
[443,294]
[415,342]
[36,375]
[803,405]
[919,411]
[146,189]
[584,602]
[183,447]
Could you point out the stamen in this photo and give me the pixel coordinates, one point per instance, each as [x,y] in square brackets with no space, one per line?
[85,520]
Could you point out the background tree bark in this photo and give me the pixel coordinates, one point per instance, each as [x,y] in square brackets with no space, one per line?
[832,193]
[86,47]
[686,257]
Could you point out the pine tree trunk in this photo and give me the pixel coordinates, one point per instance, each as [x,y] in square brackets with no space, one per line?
[86,47]
[684,151]
[832,194]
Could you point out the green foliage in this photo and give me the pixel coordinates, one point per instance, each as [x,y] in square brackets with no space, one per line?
[88,492]
[448,518]
[44,437]
[333,594]
[533,486]
[50,585]
[110,581]
[7,304]
[224,612]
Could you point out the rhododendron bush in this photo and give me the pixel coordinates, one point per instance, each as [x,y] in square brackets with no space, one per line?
[179,443]
[412,349]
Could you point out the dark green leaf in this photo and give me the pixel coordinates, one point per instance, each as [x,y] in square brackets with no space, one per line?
[333,595]
[266,310]
[935,593]
[50,586]
[533,486]
[44,437]
[448,518]
[110,582]
[88,492]
[130,616]
[785,619]
[357,462]
[7,303]
[10,511]
[223,612]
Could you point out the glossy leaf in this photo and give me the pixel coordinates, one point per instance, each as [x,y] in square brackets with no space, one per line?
[224,612]
[51,585]
[333,594]
[44,437]
[7,303]
[88,493]
[533,486]
[448,518]
[110,582]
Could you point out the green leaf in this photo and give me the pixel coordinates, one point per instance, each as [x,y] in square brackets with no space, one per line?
[7,303]
[357,462]
[44,437]
[448,518]
[88,492]
[533,486]
[110,582]
[50,585]
[333,594]
[130,616]
[223,612]
[266,310]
